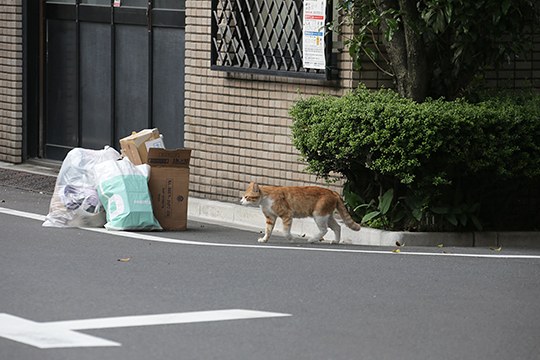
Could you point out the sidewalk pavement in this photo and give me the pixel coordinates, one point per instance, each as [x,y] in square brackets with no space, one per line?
[41,176]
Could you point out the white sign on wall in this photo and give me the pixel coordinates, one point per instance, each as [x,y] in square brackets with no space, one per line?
[313,48]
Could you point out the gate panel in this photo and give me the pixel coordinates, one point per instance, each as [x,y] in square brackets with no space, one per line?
[95,85]
[112,70]
[131,89]
[167,82]
[62,84]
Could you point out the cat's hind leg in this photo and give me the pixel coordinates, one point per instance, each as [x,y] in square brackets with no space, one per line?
[322,224]
[287,224]
[333,224]
[270,222]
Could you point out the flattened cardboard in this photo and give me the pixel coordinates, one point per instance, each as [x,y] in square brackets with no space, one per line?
[169,186]
[134,145]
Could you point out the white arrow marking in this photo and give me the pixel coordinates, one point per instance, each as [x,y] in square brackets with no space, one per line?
[61,334]
[46,336]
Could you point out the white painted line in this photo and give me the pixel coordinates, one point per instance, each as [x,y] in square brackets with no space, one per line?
[46,336]
[22,214]
[62,334]
[147,237]
[166,319]
[154,238]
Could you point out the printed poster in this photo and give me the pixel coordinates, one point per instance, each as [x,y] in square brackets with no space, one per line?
[313,34]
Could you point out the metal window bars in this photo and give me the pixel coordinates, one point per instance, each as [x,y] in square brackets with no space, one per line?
[262,36]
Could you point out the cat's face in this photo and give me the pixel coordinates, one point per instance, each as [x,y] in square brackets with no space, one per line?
[252,196]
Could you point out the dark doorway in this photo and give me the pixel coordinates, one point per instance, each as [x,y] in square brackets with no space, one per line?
[31,82]
[112,67]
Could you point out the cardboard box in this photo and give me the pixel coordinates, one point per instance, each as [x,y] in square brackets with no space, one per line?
[156,143]
[169,186]
[134,145]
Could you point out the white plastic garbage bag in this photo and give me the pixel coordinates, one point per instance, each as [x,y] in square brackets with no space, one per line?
[123,190]
[75,201]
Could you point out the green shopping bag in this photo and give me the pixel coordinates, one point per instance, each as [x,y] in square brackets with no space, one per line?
[123,190]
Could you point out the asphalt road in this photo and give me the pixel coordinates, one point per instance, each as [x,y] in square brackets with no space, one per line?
[344,302]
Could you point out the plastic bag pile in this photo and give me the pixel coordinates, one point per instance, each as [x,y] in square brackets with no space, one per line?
[96,188]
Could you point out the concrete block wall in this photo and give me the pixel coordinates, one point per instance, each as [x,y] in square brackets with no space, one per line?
[238,124]
[521,72]
[11,81]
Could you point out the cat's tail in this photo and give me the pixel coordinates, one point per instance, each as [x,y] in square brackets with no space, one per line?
[345,216]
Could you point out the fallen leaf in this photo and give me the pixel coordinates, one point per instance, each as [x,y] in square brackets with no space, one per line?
[124,259]
[440,245]
[396,251]
[497,249]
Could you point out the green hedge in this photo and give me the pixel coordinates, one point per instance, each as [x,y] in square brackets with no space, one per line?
[436,165]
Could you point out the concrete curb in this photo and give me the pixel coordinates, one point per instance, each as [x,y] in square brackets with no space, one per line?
[252,219]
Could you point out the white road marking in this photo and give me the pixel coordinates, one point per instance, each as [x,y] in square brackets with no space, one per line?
[46,336]
[62,334]
[22,214]
[166,319]
[146,237]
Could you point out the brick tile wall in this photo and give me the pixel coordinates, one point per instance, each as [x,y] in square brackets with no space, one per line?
[238,124]
[11,81]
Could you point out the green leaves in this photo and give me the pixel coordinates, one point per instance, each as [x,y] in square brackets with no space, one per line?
[385,201]
[370,216]
[459,215]
[405,162]
[505,6]
[457,38]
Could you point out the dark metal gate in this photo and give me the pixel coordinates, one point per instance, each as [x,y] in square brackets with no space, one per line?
[112,67]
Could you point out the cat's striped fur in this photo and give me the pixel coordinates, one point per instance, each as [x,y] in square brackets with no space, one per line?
[290,202]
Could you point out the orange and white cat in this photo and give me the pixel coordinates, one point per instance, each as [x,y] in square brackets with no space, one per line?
[290,202]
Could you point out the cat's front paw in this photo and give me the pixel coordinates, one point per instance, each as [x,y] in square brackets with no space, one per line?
[262,240]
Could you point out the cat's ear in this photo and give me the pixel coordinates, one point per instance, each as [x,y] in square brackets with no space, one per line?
[255,187]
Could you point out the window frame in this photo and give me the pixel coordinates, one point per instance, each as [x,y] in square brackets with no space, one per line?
[246,42]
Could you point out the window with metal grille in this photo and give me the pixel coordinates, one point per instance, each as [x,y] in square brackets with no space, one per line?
[263,36]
